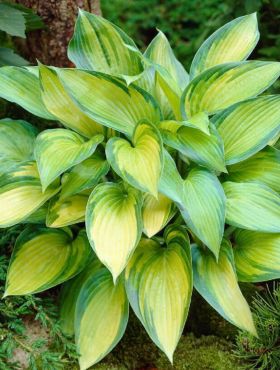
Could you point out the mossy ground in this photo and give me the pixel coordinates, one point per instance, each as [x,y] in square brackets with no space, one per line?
[204,353]
[136,351]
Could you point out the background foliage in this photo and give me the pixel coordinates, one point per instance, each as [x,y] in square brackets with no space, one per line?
[15,20]
[188,22]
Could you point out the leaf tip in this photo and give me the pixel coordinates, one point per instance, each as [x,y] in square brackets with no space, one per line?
[169,355]
[149,233]
[81,12]
[253,330]
[115,274]
[253,16]
[224,170]
[6,294]
[83,365]
[40,65]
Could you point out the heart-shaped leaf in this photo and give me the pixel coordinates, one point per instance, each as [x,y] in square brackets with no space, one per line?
[138,163]
[114,224]
[201,200]
[57,150]
[43,258]
[206,149]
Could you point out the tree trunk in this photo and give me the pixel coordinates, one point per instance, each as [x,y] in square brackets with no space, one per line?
[49,46]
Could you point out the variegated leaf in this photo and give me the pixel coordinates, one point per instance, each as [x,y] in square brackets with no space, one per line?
[139,163]
[201,200]
[171,77]
[114,224]
[231,43]
[252,206]
[70,292]
[257,256]
[67,211]
[159,51]
[22,87]
[146,80]
[219,87]
[200,121]
[203,207]
[84,175]
[99,45]
[39,216]
[57,150]
[109,101]
[43,258]
[16,143]
[263,167]
[159,287]
[156,213]
[170,183]
[216,281]
[21,193]
[205,149]
[247,127]
[59,103]
[107,303]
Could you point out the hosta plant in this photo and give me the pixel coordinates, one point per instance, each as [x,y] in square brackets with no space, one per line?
[175,175]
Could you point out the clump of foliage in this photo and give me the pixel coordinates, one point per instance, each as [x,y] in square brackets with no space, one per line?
[262,352]
[53,350]
[174,174]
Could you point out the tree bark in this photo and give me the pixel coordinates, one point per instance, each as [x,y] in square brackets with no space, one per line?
[49,45]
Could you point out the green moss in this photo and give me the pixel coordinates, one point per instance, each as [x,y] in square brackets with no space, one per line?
[206,352]
[136,351]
